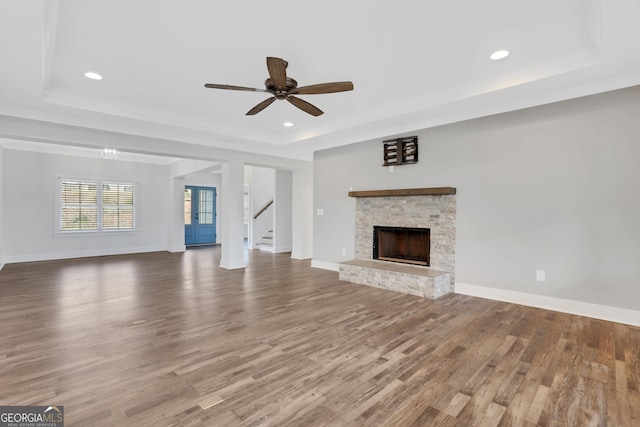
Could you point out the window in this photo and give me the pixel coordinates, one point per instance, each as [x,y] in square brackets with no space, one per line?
[246,204]
[87,205]
[205,208]
[117,206]
[79,206]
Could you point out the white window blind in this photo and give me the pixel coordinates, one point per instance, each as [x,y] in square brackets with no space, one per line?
[117,206]
[79,206]
[96,205]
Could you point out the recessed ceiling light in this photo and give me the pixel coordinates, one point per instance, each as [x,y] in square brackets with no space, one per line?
[499,54]
[287,124]
[93,76]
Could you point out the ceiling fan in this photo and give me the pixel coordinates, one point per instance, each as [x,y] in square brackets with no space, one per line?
[283,87]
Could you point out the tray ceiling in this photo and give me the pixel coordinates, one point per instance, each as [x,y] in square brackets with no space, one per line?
[413,64]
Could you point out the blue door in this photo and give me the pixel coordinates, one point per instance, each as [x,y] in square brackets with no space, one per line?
[199,215]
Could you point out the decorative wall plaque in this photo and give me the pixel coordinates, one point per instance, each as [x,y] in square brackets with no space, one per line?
[400,151]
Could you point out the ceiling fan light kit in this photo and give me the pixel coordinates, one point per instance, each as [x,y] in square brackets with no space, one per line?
[283,87]
[499,54]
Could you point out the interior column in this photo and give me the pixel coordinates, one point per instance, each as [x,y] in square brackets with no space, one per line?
[176,215]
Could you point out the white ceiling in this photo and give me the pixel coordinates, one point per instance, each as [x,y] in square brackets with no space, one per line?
[414,64]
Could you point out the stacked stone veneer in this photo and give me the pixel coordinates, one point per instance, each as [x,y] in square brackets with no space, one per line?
[407,279]
[436,212]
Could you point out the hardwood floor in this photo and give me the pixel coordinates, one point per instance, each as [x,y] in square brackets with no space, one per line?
[171,339]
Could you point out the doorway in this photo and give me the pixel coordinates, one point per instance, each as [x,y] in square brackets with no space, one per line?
[199,215]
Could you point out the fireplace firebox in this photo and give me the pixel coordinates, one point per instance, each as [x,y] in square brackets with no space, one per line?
[402,244]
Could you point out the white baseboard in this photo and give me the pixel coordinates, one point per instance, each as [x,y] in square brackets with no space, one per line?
[178,248]
[301,255]
[233,264]
[82,254]
[281,249]
[596,311]
[325,265]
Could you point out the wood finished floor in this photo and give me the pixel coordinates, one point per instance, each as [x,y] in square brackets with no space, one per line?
[170,339]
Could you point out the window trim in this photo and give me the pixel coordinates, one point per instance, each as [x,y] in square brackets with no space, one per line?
[99,182]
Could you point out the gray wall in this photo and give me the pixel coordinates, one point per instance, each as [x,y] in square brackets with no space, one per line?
[29,218]
[282,211]
[548,188]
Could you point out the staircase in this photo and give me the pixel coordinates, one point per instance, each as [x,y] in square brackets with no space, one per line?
[266,242]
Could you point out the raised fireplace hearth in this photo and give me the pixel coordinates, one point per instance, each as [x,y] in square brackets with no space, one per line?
[416,229]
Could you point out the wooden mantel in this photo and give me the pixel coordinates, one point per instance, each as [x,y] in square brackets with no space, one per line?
[435,191]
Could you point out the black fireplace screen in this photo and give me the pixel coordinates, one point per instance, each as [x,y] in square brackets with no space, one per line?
[402,244]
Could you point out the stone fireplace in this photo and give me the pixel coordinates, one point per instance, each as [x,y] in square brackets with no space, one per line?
[409,218]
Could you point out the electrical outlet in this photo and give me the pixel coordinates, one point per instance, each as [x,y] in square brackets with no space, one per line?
[540,275]
[320,212]
[390,169]
[344,252]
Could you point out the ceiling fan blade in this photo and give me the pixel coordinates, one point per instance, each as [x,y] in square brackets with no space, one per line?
[264,104]
[323,88]
[305,106]
[216,86]
[277,71]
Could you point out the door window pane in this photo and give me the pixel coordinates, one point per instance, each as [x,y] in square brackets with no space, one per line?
[205,207]
[187,206]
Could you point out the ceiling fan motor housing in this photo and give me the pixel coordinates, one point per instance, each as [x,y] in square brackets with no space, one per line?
[280,93]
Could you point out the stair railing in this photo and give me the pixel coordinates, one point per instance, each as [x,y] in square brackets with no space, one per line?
[263,209]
